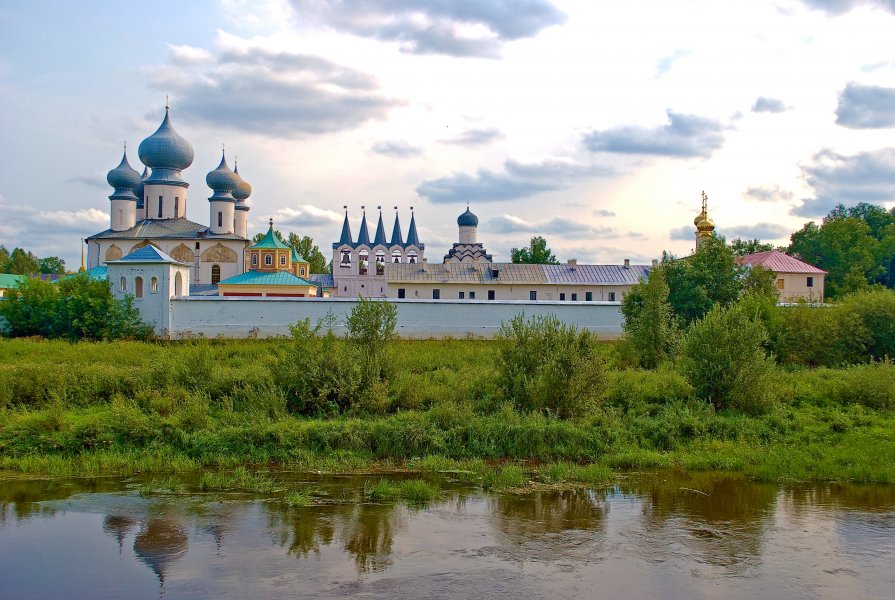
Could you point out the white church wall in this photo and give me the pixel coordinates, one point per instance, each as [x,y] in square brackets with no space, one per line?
[211,316]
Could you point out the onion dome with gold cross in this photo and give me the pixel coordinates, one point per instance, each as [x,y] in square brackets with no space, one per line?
[124,179]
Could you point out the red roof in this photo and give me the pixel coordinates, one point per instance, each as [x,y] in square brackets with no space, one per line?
[778,262]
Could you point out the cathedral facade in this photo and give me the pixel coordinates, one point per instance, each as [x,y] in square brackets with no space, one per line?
[151,209]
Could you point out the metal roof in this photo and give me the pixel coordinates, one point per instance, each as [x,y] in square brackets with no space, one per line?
[510,273]
[9,281]
[323,280]
[179,228]
[265,278]
[778,262]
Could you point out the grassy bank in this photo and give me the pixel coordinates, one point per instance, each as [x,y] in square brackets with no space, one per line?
[126,407]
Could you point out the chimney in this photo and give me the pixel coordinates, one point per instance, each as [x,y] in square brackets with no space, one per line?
[655,262]
[627,263]
[573,262]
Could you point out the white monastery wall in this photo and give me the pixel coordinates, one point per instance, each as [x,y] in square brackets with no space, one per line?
[212,316]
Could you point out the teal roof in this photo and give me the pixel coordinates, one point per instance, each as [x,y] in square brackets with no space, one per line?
[270,240]
[100,273]
[9,281]
[265,278]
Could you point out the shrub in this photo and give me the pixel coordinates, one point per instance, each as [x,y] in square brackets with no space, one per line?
[544,365]
[870,385]
[817,336]
[371,329]
[649,323]
[875,310]
[723,358]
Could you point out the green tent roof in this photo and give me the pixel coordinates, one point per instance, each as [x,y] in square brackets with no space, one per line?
[270,240]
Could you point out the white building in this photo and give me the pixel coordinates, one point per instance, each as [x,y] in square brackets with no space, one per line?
[151,209]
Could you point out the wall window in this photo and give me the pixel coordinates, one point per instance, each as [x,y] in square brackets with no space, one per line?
[461,295]
[562,296]
[301,271]
[362,259]
[345,263]
[402,293]
[436,294]
[153,285]
[574,297]
[138,287]
[611,296]
[220,219]
[532,295]
[176,206]
[396,256]
[780,284]
[254,260]
[268,259]
[490,294]
[122,284]
[282,260]
[810,282]
[411,257]
[178,284]
[215,274]
[472,295]
[589,296]
[160,207]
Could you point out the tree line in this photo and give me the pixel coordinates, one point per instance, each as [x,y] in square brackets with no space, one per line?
[23,262]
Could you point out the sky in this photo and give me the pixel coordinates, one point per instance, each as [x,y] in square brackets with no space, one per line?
[596,125]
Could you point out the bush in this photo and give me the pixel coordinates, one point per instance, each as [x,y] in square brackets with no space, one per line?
[816,336]
[649,323]
[723,358]
[544,365]
[371,329]
[875,310]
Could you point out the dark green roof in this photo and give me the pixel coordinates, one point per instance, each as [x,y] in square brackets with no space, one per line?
[265,278]
[270,240]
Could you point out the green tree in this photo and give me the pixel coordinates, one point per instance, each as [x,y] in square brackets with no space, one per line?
[537,253]
[4,259]
[743,247]
[845,248]
[307,249]
[649,321]
[22,263]
[698,282]
[52,265]
[762,282]
[371,330]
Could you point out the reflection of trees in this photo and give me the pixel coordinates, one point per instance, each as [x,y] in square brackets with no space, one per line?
[23,498]
[160,542]
[869,498]
[367,534]
[720,518]
[302,531]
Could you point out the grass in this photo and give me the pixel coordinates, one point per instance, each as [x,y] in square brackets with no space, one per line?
[123,408]
[413,491]
[299,498]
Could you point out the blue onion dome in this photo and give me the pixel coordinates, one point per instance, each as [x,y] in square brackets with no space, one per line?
[242,190]
[138,189]
[123,177]
[468,219]
[222,178]
[165,149]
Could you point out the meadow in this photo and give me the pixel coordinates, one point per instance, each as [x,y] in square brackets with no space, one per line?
[105,408]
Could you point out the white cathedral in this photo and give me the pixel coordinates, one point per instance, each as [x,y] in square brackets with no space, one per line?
[151,209]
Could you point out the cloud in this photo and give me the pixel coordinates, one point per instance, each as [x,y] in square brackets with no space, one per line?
[280,94]
[768,193]
[836,178]
[664,64]
[189,55]
[561,226]
[95,180]
[602,212]
[49,232]
[396,149]
[684,232]
[768,105]
[465,28]
[838,7]
[684,136]
[306,215]
[475,137]
[866,107]
[517,180]
[758,231]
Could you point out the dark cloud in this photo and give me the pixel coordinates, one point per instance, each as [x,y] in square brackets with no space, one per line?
[768,193]
[275,93]
[517,180]
[684,136]
[561,226]
[436,26]
[684,232]
[396,149]
[836,178]
[838,7]
[768,105]
[759,231]
[866,107]
[475,137]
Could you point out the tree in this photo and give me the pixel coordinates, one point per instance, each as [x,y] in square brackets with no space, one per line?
[537,253]
[742,247]
[22,263]
[697,283]
[52,265]
[306,248]
[761,282]
[845,248]
[649,321]
[4,259]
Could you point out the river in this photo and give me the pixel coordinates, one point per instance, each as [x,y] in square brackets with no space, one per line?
[652,535]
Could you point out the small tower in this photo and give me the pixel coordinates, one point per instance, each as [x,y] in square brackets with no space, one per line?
[241,192]
[469,226]
[704,224]
[222,204]
[167,154]
[124,203]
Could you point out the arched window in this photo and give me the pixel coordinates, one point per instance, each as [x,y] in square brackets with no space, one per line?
[380,262]
[178,285]
[153,285]
[123,284]
[268,259]
[411,256]
[138,287]
[215,274]
[302,271]
[362,259]
[282,260]
[396,256]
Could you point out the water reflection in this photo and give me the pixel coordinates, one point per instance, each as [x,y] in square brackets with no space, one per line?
[160,542]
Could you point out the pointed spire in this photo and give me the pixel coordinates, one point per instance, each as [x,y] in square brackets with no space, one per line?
[412,238]
[82,269]
[363,236]
[397,239]
[346,230]
[379,240]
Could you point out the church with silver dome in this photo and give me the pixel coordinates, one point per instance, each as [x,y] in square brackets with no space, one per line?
[151,209]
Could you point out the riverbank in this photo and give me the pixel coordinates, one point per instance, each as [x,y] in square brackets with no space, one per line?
[126,407]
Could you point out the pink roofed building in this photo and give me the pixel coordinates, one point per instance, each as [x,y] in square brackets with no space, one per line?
[796,280]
